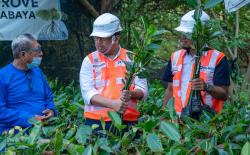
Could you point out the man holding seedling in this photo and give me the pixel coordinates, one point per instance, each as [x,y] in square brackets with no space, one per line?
[24,91]
[213,81]
[102,77]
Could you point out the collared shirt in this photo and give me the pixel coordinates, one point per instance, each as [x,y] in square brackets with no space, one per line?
[87,82]
[221,73]
[23,94]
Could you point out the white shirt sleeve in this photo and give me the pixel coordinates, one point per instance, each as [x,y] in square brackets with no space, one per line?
[87,81]
[142,85]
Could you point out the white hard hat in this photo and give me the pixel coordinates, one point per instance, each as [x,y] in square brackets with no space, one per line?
[106,25]
[188,22]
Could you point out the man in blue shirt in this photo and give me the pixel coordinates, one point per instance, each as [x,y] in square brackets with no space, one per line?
[24,91]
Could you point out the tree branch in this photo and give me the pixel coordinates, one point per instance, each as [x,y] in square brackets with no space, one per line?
[106,6]
[236,33]
[224,36]
[90,8]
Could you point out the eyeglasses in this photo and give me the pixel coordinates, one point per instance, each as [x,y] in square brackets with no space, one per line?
[101,39]
[36,49]
[29,78]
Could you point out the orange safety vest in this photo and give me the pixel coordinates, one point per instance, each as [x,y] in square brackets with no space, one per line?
[108,80]
[209,61]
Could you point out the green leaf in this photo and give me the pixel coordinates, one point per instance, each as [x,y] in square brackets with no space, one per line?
[79,106]
[246,149]
[2,144]
[103,144]
[136,35]
[145,22]
[154,143]
[103,123]
[83,132]
[75,149]
[221,151]
[197,16]
[216,34]
[170,130]
[149,125]
[192,3]
[9,152]
[212,3]
[152,46]
[149,33]
[88,150]
[171,109]
[116,119]
[58,142]
[160,32]
[70,132]
[35,132]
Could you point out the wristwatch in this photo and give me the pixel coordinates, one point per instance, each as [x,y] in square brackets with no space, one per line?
[208,88]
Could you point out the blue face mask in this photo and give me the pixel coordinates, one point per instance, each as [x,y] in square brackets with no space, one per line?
[36,61]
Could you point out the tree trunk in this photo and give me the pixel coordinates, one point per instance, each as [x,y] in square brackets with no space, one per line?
[106,6]
[90,8]
[246,84]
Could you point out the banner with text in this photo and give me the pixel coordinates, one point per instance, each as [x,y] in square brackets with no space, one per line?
[21,16]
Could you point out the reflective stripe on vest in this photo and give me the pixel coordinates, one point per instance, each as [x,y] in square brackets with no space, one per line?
[209,61]
[108,79]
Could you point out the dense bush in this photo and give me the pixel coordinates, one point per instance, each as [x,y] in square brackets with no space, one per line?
[226,133]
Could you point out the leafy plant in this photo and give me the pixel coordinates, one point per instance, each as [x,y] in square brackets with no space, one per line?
[146,42]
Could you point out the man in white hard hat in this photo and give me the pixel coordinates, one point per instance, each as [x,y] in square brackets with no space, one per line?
[102,75]
[214,73]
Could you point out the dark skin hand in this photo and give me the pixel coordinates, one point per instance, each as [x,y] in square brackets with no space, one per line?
[218,92]
[198,84]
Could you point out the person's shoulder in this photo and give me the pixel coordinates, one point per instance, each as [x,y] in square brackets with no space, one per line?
[91,53]
[90,56]
[177,51]
[217,51]
[6,69]
[37,70]
[125,49]
[6,72]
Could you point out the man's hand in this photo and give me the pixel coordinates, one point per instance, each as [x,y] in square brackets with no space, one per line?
[47,114]
[198,84]
[39,118]
[126,95]
[119,106]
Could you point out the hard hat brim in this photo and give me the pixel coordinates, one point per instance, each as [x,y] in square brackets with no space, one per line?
[184,29]
[101,34]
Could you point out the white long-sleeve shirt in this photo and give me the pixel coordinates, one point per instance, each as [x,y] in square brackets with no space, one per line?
[87,83]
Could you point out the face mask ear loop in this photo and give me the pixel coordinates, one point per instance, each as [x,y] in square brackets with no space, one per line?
[113,39]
